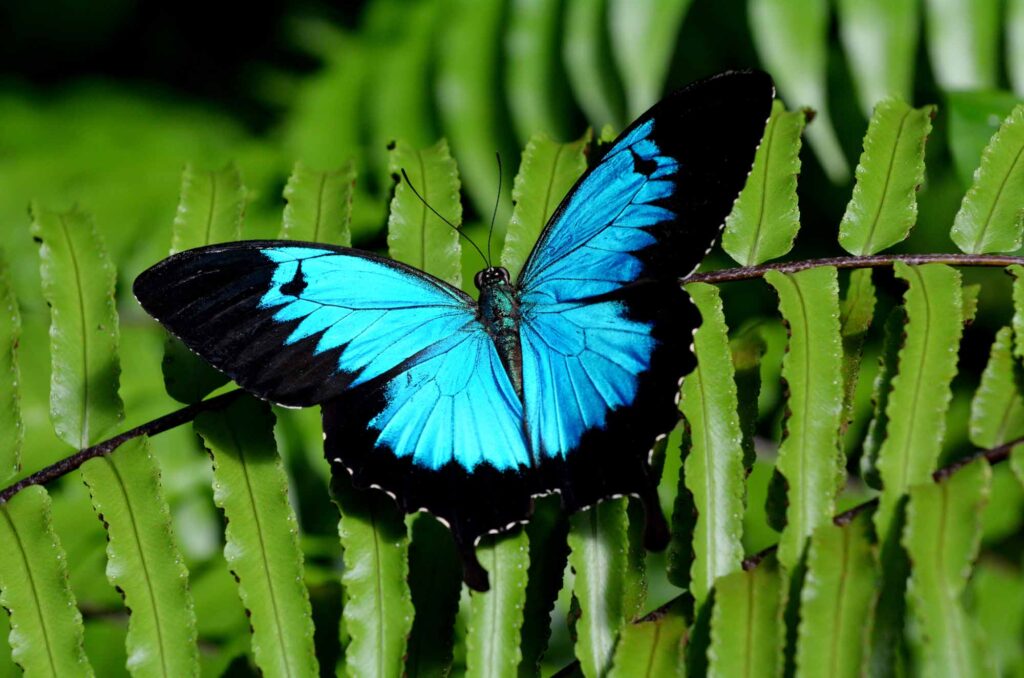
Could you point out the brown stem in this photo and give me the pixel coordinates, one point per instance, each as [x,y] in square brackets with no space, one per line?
[995,455]
[877,261]
[150,428]
[187,414]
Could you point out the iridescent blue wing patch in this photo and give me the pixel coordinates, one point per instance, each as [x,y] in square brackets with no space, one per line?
[298,324]
[605,326]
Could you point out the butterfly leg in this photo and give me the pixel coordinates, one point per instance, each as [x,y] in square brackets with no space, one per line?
[656,530]
[473,573]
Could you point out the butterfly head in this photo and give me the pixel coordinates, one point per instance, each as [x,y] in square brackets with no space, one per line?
[493,276]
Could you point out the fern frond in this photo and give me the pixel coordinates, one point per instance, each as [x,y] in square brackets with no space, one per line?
[496,617]
[880,38]
[837,600]
[747,614]
[990,217]
[46,626]
[942,538]
[538,102]
[798,65]
[920,396]
[546,173]
[643,38]
[416,236]
[10,397]
[78,284]
[766,217]
[883,207]
[599,545]
[144,562]
[377,614]
[810,460]
[713,468]
[319,205]
[262,546]
[997,410]
[657,645]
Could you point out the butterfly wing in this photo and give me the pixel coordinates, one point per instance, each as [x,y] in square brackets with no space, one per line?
[605,324]
[415,398]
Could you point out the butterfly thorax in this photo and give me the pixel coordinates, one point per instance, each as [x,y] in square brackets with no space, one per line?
[499,313]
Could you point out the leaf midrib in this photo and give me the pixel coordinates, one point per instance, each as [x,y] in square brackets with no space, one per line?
[1007,418]
[423,211]
[710,526]
[915,398]
[145,565]
[654,651]
[763,207]
[319,206]
[598,572]
[263,548]
[837,631]
[803,512]
[83,432]
[33,588]
[995,201]
[950,612]
[492,645]
[551,183]
[212,209]
[885,185]
[748,641]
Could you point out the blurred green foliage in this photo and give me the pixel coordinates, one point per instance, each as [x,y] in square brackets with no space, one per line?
[339,85]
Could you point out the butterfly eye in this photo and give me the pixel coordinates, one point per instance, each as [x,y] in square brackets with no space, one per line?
[478,280]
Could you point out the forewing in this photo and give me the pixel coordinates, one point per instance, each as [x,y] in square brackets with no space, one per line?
[606,328]
[298,324]
[654,204]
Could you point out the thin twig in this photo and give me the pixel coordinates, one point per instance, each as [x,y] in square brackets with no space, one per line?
[877,261]
[187,414]
[995,455]
[150,428]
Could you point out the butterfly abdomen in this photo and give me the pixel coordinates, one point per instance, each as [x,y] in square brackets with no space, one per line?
[499,313]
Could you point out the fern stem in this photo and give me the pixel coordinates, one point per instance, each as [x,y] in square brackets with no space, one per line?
[875,261]
[187,414]
[150,428]
[995,455]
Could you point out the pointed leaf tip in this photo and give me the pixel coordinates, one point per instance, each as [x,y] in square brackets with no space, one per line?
[883,207]
[991,215]
[766,216]
[997,410]
[78,284]
[416,236]
[546,173]
[319,205]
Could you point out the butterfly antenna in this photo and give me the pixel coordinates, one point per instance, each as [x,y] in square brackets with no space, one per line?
[494,214]
[439,216]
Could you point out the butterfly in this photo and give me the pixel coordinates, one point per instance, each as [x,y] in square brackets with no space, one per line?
[560,381]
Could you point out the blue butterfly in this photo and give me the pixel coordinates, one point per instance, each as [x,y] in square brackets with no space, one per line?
[559,382]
